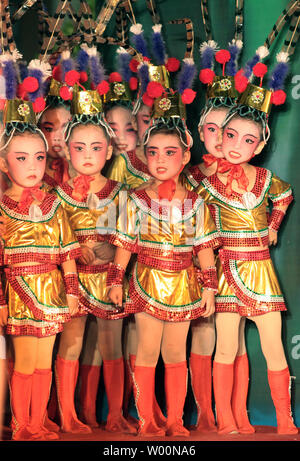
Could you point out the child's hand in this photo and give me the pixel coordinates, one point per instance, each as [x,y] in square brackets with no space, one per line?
[116,296]
[272,237]
[208,301]
[3,316]
[73,304]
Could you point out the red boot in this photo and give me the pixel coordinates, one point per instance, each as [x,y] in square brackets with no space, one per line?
[144,387]
[176,388]
[223,383]
[201,380]
[160,419]
[52,410]
[279,382]
[128,389]
[66,375]
[239,395]
[113,372]
[20,398]
[89,375]
[41,384]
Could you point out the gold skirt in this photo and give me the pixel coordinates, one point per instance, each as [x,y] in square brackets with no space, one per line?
[93,293]
[248,287]
[37,304]
[167,295]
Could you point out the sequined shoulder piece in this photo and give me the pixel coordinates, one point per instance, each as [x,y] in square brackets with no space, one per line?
[136,166]
[48,208]
[194,175]
[216,188]
[105,195]
[158,209]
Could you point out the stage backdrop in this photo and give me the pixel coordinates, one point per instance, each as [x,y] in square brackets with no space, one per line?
[281,155]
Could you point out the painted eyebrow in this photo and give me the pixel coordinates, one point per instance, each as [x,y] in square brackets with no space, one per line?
[26,153]
[47,123]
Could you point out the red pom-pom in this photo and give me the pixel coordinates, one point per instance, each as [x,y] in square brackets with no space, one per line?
[56,73]
[154,89]
[30,84]
[65,93]
[72,77]
[147,100]
[83,77]
[206,76]
[188,96]
[39,104]
[146,59]
[133,83]
[2,103]
[278,97]
[103,87]
[133,65]
[240,81]
[173,64]
[115,77]
[260,69]
[222,56]
[21,92]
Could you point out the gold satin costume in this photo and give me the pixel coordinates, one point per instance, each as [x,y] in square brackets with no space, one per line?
[37,303]
[128,169]
[93,220]
[163,282]
[247,280]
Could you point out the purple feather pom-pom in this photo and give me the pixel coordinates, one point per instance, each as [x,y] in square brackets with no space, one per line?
[278,76]
[10,75]
[186,75]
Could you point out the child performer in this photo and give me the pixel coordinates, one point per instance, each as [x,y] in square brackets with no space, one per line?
[37,239]
[128,164]
[164,292]
[248,286]
[221,96]
[52,123]
[89,199]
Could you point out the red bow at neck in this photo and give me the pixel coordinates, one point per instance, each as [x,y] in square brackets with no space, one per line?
[81,186]
[30,194]
[61,170]
[167,189]
[236,172]
[209,159]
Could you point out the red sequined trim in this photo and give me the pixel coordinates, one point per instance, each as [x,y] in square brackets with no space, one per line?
[248,311]
[30,330]
[244,255]
[31,270]
[276,219]
[164,264]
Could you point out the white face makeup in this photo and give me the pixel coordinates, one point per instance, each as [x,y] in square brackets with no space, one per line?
[241,140]
[120,120]
[165,156]
[211,131]
[53,124]
[25,160]
[89,149]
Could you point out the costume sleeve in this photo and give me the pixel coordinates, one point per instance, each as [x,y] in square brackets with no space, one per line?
[280,192]
[69,246]
[128,223]
[206,234]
